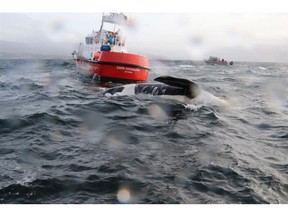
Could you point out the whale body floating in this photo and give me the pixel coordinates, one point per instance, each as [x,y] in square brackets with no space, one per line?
[183,90]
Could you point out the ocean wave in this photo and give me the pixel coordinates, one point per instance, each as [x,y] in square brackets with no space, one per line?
[63,142]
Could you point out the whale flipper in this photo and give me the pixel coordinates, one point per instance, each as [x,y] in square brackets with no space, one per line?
[192,90]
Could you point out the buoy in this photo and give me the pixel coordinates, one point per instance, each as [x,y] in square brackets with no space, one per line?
[96,55]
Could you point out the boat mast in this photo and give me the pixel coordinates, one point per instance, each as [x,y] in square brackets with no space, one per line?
[102,22]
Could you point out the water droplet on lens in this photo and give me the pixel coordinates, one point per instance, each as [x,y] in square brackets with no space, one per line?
[123,195]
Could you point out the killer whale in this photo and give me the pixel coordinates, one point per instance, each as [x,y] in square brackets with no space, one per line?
[172,88]
[166,86]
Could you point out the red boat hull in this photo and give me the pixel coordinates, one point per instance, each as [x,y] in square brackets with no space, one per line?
[116,67]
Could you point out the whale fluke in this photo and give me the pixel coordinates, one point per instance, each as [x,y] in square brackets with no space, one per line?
[192,90]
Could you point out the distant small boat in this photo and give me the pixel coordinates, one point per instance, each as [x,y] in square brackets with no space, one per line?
[217,61]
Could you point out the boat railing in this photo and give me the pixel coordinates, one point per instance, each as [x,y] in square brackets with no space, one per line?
[113,38]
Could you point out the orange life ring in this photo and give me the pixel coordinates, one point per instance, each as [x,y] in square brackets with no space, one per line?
[96,55]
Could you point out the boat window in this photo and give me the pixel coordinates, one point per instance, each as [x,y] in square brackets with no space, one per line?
[89,40]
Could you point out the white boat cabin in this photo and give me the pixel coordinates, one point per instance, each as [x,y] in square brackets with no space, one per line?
[109,38]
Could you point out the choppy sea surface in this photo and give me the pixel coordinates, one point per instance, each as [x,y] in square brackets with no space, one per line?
[63,142]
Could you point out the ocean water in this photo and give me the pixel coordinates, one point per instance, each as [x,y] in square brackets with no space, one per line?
[63,142]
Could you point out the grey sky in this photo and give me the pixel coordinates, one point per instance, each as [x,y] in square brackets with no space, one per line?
[237,36]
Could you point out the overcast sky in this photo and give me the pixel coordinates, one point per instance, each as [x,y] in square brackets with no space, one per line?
[195,35]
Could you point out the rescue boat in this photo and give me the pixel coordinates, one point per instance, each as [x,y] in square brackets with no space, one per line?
[104,57]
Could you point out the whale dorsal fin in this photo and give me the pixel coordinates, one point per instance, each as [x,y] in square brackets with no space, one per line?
[192,90]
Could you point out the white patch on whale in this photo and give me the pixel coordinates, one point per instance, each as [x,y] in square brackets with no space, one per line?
[129,89]
[205,98]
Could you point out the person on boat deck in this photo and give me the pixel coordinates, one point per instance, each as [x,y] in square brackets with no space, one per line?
[106,46]
[111,39]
